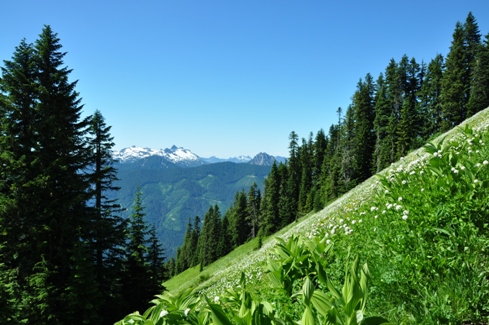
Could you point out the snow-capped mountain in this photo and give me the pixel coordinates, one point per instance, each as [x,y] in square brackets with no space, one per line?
[238,160]
[176,155]
[156,158]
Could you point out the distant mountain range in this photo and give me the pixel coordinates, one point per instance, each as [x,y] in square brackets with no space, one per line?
[185,158]
[177,184]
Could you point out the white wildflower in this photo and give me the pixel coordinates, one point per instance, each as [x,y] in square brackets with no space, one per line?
[328,242]
[404,217]
[187,311]
[400,198]
[404,182]
[216,299]
[163,313]
[485,162]
[475,180]
[398,207]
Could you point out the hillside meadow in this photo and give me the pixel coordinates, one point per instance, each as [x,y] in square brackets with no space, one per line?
[407,246]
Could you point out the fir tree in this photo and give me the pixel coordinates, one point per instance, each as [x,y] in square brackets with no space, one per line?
[380,155]
[137,287]
[270,217]
[108,235]
[364,137]
[479,96]
[49,188]
[430,98]
[253,209]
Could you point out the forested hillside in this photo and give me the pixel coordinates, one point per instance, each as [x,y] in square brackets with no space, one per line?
[66,254]
[173,195]
[408,104]
[69,255]
[407,246]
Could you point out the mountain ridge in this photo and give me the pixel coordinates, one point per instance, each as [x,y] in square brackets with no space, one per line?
[182,157]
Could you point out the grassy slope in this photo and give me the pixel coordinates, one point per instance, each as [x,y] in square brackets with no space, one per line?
[225,271]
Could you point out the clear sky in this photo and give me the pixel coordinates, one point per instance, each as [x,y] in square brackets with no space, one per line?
[230,77]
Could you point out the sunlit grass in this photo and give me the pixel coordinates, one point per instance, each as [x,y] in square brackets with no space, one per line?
[392,221]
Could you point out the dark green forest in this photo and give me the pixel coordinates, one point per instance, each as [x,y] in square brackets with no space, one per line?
[172,195]
[408,104]
[67,256]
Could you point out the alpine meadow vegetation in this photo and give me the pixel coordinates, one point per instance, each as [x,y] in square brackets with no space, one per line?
[359,226]
[408,246]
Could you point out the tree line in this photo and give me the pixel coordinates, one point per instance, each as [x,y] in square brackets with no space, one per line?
[67,254]
[407,105]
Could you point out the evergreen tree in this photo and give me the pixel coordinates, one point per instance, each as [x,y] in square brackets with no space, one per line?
[394,93]
[479,96]
[225,238]
[456,83]
[453,108]
[45,145]
[156,260]
[239,228]
[364,137]
[18,188]
[472,42]
[210,236]
[253,209]
[108,234]
[270,217]
[306,157]
[194,240]
[430,98]
[137,287]
[186,251]
[380,155]
[407,131]
[346,153]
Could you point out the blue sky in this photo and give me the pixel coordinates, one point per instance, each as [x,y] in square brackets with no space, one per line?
[232,77]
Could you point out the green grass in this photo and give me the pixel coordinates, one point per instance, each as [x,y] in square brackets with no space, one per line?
[428,257]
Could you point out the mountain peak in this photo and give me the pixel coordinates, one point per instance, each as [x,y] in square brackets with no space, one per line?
[262,159]
[177,155]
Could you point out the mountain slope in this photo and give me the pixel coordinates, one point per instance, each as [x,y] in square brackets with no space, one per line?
[172,194]
[225,271]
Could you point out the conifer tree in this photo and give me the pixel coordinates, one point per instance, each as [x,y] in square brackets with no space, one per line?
[346,153]
[137,287]
[156,260]
[306,161]
[479,96]
[430,98]
[208,245]
[270,218]
[108,235]
[253,209]
[239,228]
[456,83]
[47,147]
[364,137]
[407,131]
[380,155]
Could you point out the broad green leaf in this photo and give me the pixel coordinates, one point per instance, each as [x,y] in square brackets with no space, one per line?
[307,290]
[321,302]
[308,317]
[217,314]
